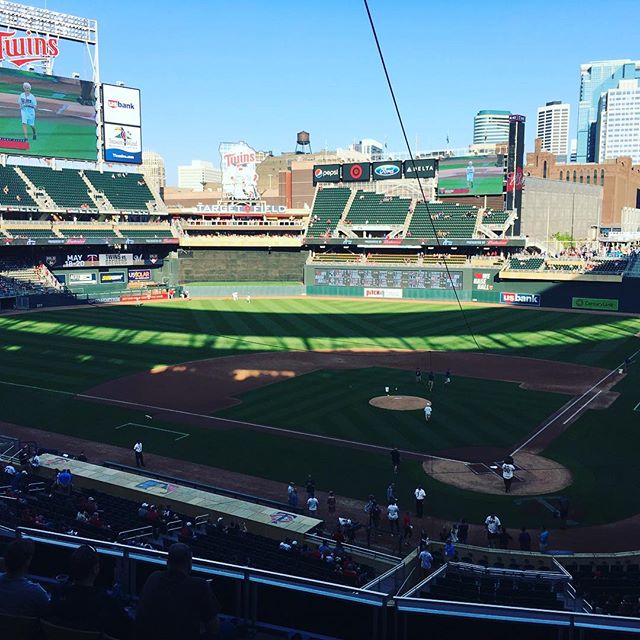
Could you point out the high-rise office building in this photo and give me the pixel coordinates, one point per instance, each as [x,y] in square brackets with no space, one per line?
[618,129]
[154,170]
[595,79]
[491,126]
[553,128]
[196,175]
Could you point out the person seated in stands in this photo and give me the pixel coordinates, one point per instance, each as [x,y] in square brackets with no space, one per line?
[186,533]
[35,462]
[324,549]
[82,517]
[65,480]
[95,521]
[82,457]
[175,604]
[153,516]
[10,470]
[82,605]
[285,545]
[91,506]
[18,595]
[143,511]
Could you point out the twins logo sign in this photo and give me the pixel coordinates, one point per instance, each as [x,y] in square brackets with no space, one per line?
[527,299]
[282,517]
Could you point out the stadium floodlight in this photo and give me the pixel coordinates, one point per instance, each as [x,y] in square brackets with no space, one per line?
[25,18]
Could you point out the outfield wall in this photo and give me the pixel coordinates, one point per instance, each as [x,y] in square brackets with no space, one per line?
[473,284]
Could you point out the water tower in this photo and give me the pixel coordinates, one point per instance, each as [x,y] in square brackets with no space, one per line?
[303,142]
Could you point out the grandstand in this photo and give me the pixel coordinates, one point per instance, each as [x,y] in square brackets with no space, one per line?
[327,211]
[66,188]
[448,220]
[124,191]
[370,208]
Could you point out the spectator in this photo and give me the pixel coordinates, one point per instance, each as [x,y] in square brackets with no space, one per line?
[143,511]
[82,605]
[82,457]
[504,538]
[463,531]
[395,459]
[293,498]
[407,527]
[492,523]
[312,505]
[331,502]
[426,561]
[10,470]
[18,595]
[420,495]
[137,449]
[174,604]
[65,480]
[35,462]
[391,493]
[449,549]
[544,540]
[525,540]
[393,514]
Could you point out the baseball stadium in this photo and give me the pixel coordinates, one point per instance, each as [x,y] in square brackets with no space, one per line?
[367,400]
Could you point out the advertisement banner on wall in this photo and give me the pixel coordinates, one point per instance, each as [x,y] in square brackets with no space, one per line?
[122,144]
[326,173]
[111,278]
[526,299]
[420,168]
[139,275]
[121,105]
[80,260]
[356,172]
[382,293]
[239,162]
[389,170]
[82,278]
[595,304]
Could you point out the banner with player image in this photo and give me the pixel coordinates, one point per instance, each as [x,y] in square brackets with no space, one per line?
[239,162]
[471,176]
[48,116]
[122,144]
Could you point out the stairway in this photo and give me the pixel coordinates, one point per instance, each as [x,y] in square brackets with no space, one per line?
[41,197]
[100,200]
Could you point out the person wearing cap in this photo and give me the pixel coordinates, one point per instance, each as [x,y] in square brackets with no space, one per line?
[143,510]
[28,105]
[83,606]
[175,604]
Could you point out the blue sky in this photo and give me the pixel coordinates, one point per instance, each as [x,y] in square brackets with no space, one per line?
[259,71]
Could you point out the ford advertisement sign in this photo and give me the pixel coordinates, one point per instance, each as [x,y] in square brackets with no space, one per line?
[389,170]
[326,173]
[527,299]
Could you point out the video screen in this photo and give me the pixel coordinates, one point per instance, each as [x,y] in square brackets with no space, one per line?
[47,115]
[471,175]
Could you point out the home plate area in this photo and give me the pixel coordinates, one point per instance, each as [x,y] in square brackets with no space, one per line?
[480,468]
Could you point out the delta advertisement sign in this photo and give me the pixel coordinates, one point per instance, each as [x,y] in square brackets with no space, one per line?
[524,299]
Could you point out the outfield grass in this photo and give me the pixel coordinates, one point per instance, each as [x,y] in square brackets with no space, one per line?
[73,350]
[470,412]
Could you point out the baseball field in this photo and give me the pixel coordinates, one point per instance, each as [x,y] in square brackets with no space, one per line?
[281,388]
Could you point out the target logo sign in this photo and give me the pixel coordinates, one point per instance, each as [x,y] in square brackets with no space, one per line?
[356,171]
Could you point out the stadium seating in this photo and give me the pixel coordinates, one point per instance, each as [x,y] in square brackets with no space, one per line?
[13,190]
[30,232]
[612,589]
[513,588]
[448,219]
[87,232]
[327,211]
[65,187]
[151,232]
[125,191]
[495,217]
[375,208]
[525,264]
[614,266]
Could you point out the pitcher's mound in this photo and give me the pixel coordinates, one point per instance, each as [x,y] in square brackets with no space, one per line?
[399,403]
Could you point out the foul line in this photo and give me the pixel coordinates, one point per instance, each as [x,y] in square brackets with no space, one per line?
[558,415]
[182,434]
[584,406]
[300,434]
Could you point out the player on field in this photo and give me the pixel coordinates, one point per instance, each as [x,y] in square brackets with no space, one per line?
[28,103]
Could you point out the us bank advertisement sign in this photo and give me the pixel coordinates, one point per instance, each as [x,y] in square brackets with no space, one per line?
[121,105]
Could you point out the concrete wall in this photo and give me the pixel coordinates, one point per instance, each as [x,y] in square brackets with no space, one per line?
[551,206]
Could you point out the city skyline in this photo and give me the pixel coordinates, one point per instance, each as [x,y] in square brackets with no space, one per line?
[279,71]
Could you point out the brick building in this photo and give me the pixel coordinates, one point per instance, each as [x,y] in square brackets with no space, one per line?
[619,178]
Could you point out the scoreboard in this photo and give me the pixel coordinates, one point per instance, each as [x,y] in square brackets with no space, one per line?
[388,278]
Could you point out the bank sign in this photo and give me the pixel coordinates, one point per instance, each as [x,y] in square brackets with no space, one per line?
[526,299]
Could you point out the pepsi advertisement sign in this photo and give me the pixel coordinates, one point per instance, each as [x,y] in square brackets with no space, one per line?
[526,299]
[420,168]
[388,170]
[326,173]
[356,172]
